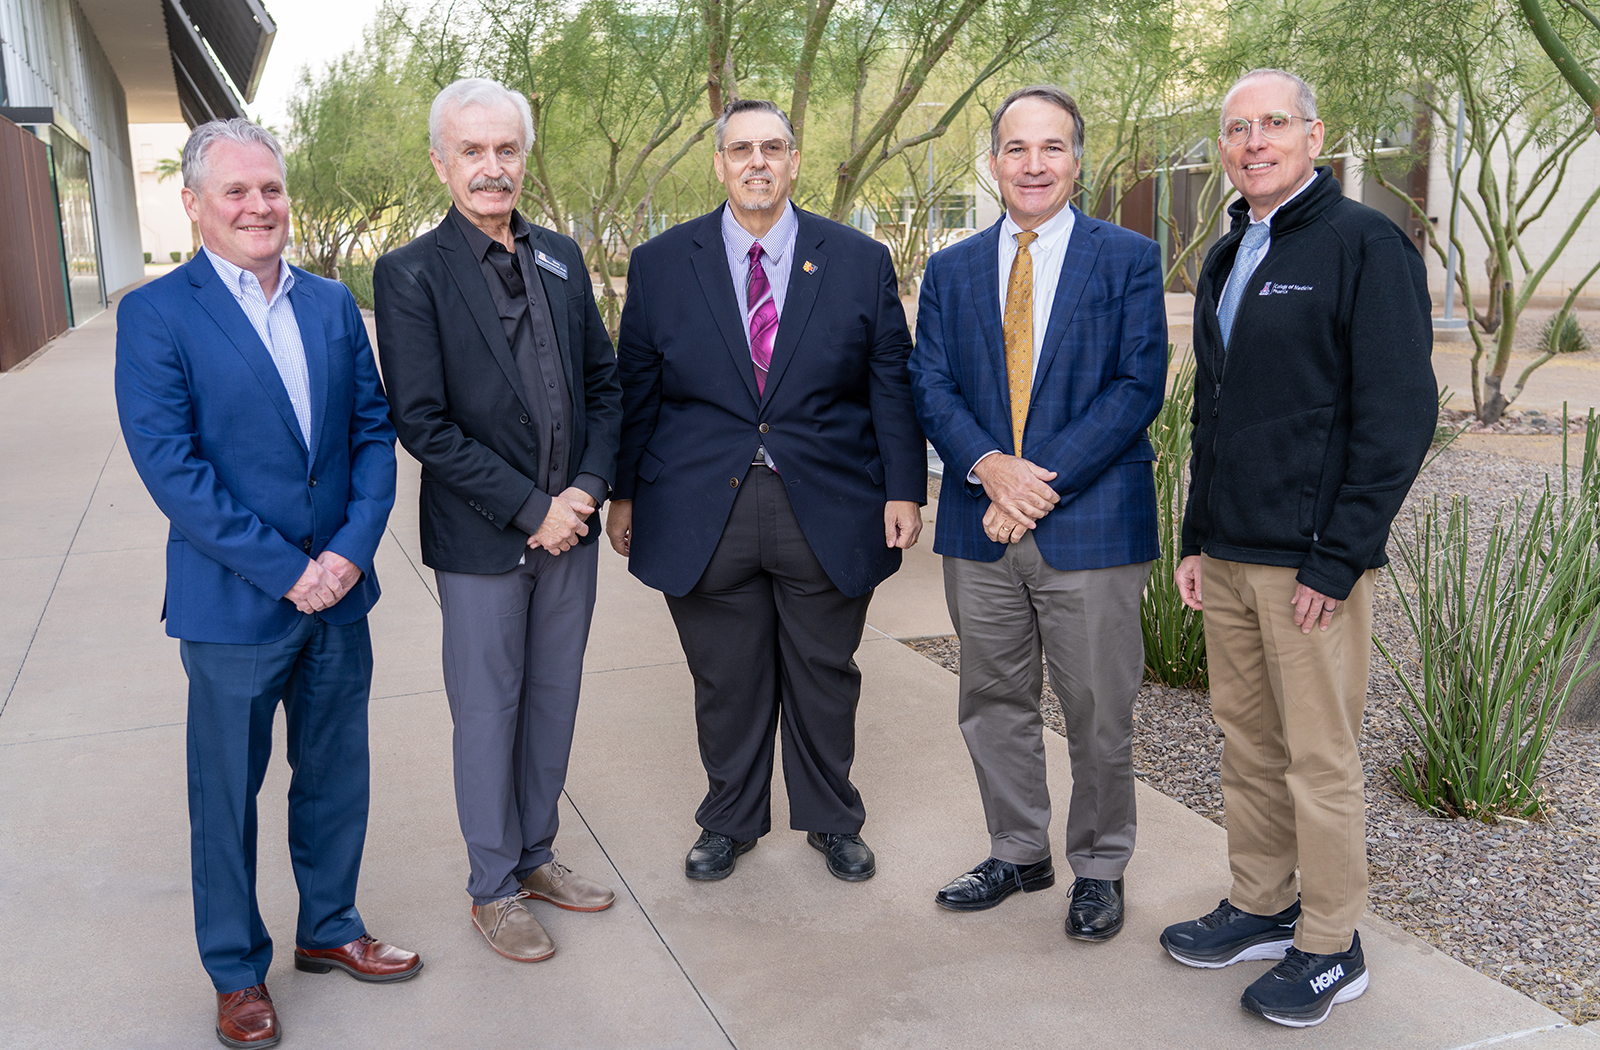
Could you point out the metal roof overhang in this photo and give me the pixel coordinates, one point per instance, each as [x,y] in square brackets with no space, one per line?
[166,71]
[203,94]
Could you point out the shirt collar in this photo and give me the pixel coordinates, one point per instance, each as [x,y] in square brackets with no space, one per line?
[234,277]
[1052,232]
[479,241]
[776,242]
[1267,218]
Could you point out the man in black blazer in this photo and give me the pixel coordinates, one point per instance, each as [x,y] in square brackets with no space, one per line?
[503,384]
[770,473]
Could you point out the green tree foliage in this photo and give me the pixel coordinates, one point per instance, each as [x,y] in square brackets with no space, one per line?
[359,177]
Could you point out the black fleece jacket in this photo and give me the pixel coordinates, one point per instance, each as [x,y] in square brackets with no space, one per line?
[1309,431]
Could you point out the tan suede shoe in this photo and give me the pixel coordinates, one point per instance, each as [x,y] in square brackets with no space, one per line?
[565,888]
[511,930]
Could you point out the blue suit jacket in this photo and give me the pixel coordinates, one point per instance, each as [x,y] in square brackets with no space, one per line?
[212,433]
[1099,382]
[836,415]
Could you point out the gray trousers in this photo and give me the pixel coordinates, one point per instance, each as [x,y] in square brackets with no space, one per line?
[1087,624]
[513,662]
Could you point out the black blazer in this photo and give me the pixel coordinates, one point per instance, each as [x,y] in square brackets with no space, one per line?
[457,401]
[837,414]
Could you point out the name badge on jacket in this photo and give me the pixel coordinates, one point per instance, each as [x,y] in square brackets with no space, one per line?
[559,269]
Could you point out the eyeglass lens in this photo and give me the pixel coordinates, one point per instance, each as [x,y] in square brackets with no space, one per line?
[1273,125]
[772,149]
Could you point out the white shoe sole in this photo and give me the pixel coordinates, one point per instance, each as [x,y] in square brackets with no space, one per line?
[1265,950]
[1350,991]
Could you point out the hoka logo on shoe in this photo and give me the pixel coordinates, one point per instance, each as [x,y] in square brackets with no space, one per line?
[1324,980]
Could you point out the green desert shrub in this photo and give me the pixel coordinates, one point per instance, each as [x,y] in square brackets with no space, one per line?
[1174,634]
[1494,621]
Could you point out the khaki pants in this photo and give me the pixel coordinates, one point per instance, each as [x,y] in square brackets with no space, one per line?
[1289,706]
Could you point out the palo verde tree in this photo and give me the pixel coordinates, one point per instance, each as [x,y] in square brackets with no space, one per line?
[357,149]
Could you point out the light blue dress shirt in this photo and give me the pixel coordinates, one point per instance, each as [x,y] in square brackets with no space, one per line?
[275,323]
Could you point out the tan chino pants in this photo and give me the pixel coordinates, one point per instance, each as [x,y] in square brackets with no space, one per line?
[1289,706]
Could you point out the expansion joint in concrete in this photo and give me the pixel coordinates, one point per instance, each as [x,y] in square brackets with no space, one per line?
[648,918]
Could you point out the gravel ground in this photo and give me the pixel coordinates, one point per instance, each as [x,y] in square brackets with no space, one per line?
[1517,900]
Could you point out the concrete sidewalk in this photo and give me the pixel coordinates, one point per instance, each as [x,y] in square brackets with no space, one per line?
[95,919]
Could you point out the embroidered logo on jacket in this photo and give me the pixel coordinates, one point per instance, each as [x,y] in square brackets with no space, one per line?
[1282,289]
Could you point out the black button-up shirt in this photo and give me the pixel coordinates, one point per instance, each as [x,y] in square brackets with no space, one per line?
[518,293]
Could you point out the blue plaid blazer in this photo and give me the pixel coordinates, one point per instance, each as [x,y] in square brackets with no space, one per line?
[1099,383]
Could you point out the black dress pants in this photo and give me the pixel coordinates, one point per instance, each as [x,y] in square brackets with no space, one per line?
[771,641]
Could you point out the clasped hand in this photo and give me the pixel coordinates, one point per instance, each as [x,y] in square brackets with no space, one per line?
[563,523]
[324,582]
[1019,495]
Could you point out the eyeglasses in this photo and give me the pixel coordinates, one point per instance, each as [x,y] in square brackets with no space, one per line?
[744,149]
[1236,130]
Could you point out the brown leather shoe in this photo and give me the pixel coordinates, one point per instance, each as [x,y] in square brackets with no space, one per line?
[565,888]
[364,958]
[246,1018]
[511,930]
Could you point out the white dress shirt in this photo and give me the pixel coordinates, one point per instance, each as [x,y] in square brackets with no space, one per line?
[1048,251]
[275,323]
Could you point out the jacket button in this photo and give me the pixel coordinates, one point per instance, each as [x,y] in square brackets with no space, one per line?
[523,419]
[762,428]
[306,546]
[313,482]
[733,482]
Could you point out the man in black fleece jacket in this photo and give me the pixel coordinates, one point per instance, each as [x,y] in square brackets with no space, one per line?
[1314,405]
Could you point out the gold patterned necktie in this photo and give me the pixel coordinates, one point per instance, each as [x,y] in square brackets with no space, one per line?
[1017,327]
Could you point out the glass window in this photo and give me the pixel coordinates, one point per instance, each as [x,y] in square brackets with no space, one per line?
[80,249]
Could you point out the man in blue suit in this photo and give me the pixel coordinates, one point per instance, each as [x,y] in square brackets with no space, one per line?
[251,406]
[1040,360]
[771,472]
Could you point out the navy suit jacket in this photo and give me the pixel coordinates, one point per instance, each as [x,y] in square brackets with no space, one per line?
[211,431]
[836,416]
[1100,381]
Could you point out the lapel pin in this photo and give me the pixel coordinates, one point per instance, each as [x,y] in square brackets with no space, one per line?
[808,266]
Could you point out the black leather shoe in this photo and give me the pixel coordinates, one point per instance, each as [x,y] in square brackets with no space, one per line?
[849,858]
[712,855]
[1096,912]
[992,882]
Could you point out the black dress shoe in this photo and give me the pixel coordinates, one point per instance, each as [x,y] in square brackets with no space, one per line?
[849,858]
[711,857]
[1096,911]
[992,882]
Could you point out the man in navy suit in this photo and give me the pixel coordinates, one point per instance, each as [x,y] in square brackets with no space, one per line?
[771,472]
[251,406]
[1040,360]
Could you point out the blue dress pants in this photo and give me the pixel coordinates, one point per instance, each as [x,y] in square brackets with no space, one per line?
[323,675]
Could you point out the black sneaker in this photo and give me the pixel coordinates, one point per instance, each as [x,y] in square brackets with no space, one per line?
[1229,935]
[1303,989]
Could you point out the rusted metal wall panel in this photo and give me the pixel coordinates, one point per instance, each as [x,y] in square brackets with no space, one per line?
[33,304]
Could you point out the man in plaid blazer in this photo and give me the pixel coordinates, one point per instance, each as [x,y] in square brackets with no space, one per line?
[1040,360]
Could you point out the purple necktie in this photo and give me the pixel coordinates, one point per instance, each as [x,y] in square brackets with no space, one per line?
[763,317]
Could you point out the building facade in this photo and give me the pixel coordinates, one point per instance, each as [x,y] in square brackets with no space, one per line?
[73,73]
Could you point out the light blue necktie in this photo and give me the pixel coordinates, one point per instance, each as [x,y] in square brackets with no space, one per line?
[1244,264]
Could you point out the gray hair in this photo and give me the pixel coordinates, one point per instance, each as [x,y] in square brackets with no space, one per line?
[197,150]
[1305,99]
[751,105]
[477,91]
[1053,95]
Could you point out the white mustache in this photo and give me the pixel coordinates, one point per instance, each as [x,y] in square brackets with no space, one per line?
[491,182]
